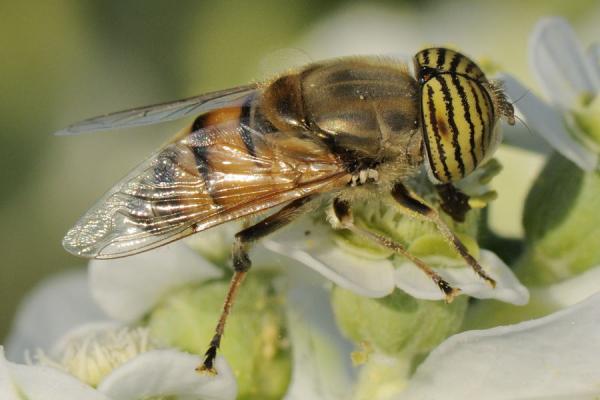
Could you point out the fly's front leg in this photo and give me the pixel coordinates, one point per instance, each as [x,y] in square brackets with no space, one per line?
[454,202]
[413,205]
[343,213]
[241,265]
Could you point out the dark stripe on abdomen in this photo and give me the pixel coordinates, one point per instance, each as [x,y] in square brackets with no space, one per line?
[200,156]
[246,125]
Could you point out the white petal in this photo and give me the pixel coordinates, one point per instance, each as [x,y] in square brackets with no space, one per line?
[322,368]
[413,281]
[549,358]
[371,278]
[51,309]
[168,373]
[126,288]
[41,383]
[559,62]
[550,125]
[573,290]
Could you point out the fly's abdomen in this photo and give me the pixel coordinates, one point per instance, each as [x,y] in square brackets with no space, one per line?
[233,155]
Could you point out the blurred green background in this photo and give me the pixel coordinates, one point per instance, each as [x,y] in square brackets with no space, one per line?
[62,61]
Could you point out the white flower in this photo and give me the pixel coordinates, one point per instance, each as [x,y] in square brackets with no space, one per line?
[91,352]
[154,374]
[125,364]
[555,357]
[570,79]
[372,276]
[101,360]
[321,362]
[321,357]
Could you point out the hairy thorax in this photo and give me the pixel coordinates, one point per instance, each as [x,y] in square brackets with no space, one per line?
[365,111]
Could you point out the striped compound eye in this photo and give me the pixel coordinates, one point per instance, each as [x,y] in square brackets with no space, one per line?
[458,114]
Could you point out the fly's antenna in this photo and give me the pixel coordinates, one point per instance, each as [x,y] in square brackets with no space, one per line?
[521,97]
[523,122]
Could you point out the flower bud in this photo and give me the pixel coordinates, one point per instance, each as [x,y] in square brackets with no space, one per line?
[397,325]
[254,344]
[562,224]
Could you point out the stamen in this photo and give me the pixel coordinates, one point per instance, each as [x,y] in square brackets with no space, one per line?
[92,357]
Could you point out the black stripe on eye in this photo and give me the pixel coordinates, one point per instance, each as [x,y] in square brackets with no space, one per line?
[246,126]
[438,139]
[490,107]
[473,69]
[474,91]
[450,113]
[455,61]
[441,53]
[469,68]
[467,115]
[426,57]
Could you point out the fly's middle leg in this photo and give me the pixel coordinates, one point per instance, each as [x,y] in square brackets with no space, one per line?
[343,213]
[413,205]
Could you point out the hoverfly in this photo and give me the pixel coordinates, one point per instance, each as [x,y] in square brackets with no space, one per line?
[341,129]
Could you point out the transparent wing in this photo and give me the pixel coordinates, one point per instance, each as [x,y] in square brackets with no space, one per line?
[159,112]
[209,177]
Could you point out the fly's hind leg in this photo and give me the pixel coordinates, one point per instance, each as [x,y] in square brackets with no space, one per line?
[413,205]
[241,265]
[343,214]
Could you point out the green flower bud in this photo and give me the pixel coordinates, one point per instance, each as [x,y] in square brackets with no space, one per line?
[254,344]
[562,224]
[421,237]
[397,325]
[434,244]
[385,217]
